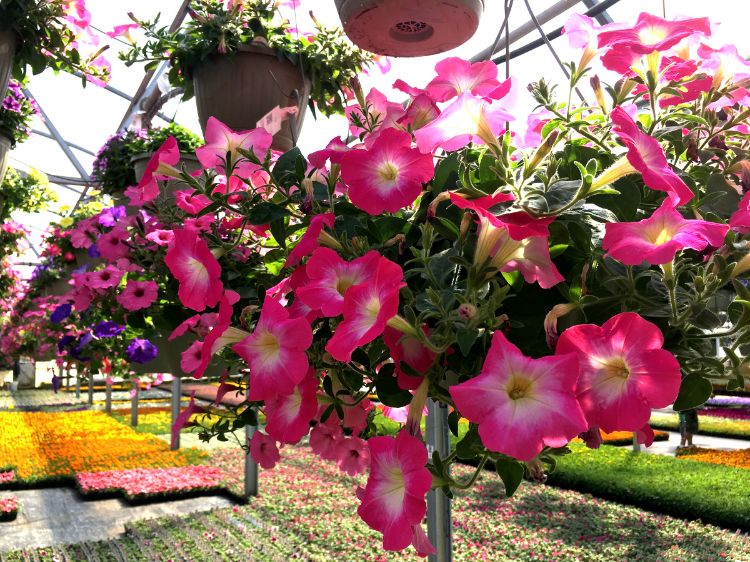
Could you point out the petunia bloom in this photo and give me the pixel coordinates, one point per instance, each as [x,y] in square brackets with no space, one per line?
[329,277]
[740,219]
[522,404]
[367,309]
[195,267]
[275,352]
[138,294]
[408,349]
[263,450]
[141,351]
[624,372]
[658,238]
[393,501]
[467,119]
[220,335]
[456,76]
[309,240]
[644,156]
[160,166]
[221,140]
[388,175]
[289,415]
[108,329]
[353,455]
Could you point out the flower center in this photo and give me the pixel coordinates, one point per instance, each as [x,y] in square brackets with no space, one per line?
[343,283]
[388,172]
[269,345]
[519,387]
[617,368]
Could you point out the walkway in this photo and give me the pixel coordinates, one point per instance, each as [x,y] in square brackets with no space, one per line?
[51,516]
[704,441]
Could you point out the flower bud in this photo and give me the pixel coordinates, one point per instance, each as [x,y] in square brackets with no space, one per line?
[596,85]
[467,311]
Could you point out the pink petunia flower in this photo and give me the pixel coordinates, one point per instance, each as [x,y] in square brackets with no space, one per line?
[646,157]
[112,245]
[184,417]
[195,267]
[352,455]
[160,237]
[160,166]
[512,242]
[190,359]
[724,64]
[263,450]
[393,501]
[624,372]
[421,111]
[275,352]
[138,294]
[221,334]
[407,348]
[467,119]
[105,278]
[658,238]
[329,277]
[380,108]
[522,404]
[324,440]
[740,219]
[221,140]
[456,76]
[309,240]
[367,308]
[387,176]
[289,415]
[191,202]
[333,152]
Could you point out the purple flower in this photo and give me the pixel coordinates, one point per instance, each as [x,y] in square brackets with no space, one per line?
[64,342]
[141,351]
[77,351]
[93,251]
[109,217]
[108,329]
[61,313]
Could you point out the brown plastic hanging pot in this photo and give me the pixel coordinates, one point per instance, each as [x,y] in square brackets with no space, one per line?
[412,28]
[7,53]
[241,88]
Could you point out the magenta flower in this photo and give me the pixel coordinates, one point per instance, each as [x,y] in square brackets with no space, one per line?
[353,455]
[624,372]
[160,237]
[275,352]
[324,440]
[221,140]
[112,245]
[105,278]
[160,166]
[512,242]
[333,152]
[138,294]
[386,112]
[658,238]
[289,415]
[456,76]
[329,277]
[645,156]
[184,417]
[367,308]
[388,175]
[263,450]
[725,64]
[393,501]
[309,240]
[220,335]
[467,119]
[522,404]
[407,348]
[191,202]
[740,219]
[195,267]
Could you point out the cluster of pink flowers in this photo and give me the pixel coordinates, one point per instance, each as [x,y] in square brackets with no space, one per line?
[151,481]
[7,476]
[8,505]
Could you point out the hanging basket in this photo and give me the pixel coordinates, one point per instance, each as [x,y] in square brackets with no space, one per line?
[409,29]
[6,143]
[7,53]
[241,88]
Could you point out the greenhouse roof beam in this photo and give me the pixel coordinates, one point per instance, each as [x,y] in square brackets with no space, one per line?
[70,144]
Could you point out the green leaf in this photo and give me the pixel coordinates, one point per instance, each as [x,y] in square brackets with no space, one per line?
[470,445]
[694,391]
[389,392]
[466,339]
[266,212]
[511,473]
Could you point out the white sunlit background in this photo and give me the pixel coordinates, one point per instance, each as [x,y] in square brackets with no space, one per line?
[87,117]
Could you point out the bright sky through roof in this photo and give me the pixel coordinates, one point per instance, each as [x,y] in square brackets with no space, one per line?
[87,117]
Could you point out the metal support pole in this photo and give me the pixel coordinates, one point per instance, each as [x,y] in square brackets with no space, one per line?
[176,399]
[636,445]
[67,378]
[134,403]
[91,387]
[251,469]
[78,383]
[439,524]
[108,399]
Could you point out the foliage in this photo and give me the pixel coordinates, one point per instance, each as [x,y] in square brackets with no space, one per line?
[327,58]
[49,34]
[113,167]
[28,193]
[682,488]
[16,112]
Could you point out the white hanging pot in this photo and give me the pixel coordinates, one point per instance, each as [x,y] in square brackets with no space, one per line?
[409,28]
[7,53]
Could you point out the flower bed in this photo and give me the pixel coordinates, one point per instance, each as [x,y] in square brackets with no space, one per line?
[8,508]
[727,413]
[151,483]
[727,400]
[626,437]
[708,425]
[51,446]
[679,487]
[737,459]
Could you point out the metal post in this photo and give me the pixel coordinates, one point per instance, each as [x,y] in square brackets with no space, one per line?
[439,524]
[91,387]
[176,399]
[636,445]
[78,382]
[251,469]
[134,403]
[67,378]
[108,399]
